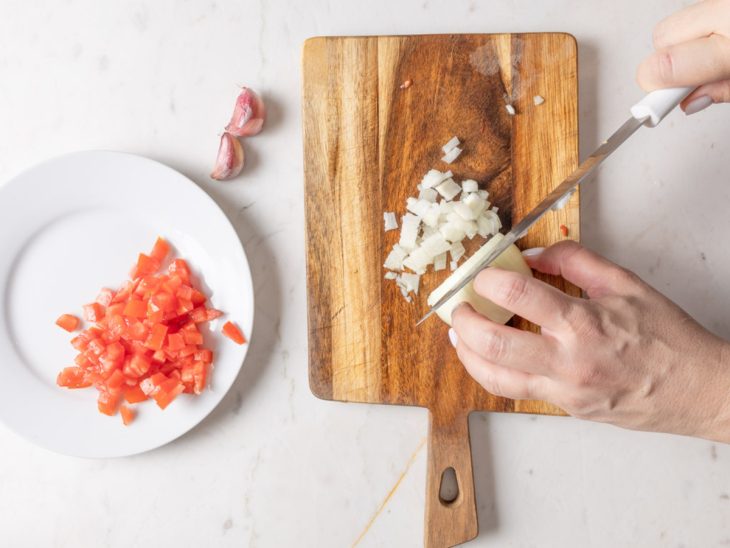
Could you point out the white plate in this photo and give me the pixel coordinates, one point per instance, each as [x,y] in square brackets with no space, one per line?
[71,226]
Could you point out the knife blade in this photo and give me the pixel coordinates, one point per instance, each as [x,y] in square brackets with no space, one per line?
[649,111]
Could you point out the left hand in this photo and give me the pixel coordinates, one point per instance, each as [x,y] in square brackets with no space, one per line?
[626,355]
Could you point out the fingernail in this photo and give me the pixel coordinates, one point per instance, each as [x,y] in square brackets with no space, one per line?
[453,337]
[698,104]
[533,251]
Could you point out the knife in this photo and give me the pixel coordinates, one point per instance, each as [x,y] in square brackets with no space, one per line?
[648,112]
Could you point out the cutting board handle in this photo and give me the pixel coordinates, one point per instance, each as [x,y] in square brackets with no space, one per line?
[449,523]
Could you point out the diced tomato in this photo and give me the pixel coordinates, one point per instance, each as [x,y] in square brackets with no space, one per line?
[145,265]
[68,322]
[138,365]
[80,342]
[204,355]
[127,414]
[96,347]
[158,332]
[175,342]
[105,297]
[135,308]
[167,392]
[200,376]
[107,402]
[93,312]
[73,377]
[232,332]
[144,340]
[192,337]
[160,249]
[115,380]
[198,297]
[134,394]
[151,384]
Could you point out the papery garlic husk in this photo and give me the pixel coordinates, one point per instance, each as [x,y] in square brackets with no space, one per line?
[229,162]
[248,114]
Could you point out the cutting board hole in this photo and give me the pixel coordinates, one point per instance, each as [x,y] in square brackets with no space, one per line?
[449,488]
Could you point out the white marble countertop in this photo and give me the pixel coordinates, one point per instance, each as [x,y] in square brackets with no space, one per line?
[273,466]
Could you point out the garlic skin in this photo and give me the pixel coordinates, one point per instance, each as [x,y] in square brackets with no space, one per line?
[229,162]
[248,114]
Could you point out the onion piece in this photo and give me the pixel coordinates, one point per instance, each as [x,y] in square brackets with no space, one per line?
[538,100]
[428,194]
[409,231]
[457,251]
[434,177]
[439,263]
[452,155]
[453,143]
[410,282]
[391,222]
[510,110]
[390,275]
[470,185]
[448,189]
[394,260]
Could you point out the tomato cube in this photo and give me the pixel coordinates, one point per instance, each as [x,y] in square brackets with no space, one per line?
[156,339]
[68,322]
[107,402]
[160,249]
[145,265]
[93,312]
[105,297]
[175,342]
[231,331]
[167,392]
[127,415]
[134,394]
[135,308]
[73,377]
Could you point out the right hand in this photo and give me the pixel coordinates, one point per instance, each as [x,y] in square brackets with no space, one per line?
[692,49]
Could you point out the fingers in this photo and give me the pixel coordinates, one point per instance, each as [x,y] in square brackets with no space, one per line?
[501,381]
[695,21]
[704,96]
[594,274]
[502,345]
[690,63]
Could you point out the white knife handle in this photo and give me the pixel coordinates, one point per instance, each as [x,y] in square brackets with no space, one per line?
[657,104]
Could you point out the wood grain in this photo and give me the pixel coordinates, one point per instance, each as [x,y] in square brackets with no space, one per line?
[367,143]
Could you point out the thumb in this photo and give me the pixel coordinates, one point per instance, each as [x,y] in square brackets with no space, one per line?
[594,274]
[704,96]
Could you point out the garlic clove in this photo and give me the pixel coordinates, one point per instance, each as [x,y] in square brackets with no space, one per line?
[248,114]
[230,158]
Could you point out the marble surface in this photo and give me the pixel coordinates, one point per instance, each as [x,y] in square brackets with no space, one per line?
[273,466]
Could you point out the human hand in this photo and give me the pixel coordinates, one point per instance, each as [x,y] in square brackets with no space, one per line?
[692,49]
[626,355]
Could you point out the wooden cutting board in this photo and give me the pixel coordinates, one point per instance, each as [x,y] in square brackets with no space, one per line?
[367,143]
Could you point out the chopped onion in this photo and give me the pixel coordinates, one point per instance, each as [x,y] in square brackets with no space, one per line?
[409,231]
[452,232]
[394,260]
[538,100]
[448,189]
[470,185]
[510,110]
[390,275]
[390,221]
[410,282]
[457,251]
[428,194]
[451,155]
[435,245]
[475,203]
[483,194]
[463,210]
[453,143]
[433,178]
[439,263]
[453,265]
